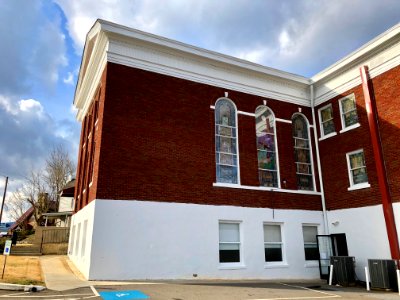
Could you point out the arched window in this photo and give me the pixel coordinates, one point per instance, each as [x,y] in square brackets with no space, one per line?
[266,147]
[226,141]
[302,153]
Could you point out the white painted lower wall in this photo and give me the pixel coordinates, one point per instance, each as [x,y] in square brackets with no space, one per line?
[80,244]
[153,240]
[365,231]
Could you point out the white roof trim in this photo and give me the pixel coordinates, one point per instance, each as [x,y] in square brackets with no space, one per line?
[110,42]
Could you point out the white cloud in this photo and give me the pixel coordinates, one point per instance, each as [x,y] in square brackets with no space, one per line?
[69,79]
[33,47]
[298,36]
[29,133]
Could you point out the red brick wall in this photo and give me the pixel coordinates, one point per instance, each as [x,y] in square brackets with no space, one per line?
[333,158]
[155,142]
[90,143]
[333,150]
[387,94]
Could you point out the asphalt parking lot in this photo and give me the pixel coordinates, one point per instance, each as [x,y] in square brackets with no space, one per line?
[208,290]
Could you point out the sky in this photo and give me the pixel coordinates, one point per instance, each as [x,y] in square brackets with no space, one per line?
[41,44]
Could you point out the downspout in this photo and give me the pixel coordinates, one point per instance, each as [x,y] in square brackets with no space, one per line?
[373,122]
[321,184]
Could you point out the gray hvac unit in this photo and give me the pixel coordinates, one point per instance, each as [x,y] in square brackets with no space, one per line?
[383,273]
[343,270]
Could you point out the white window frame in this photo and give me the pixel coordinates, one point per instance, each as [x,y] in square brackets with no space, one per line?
[276,150]
[353,126]
[237,139]
[232,265]
[321,127]
[351,181]
[275,264]
[309,263]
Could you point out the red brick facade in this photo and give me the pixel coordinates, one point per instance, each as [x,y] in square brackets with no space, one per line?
[154,140]
[155,137]
[333,150]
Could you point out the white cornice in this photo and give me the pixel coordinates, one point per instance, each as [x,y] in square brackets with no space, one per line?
[109,42]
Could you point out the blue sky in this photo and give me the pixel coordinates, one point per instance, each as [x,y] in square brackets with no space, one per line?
[42,42]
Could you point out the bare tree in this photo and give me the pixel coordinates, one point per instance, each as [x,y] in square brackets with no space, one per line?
[41,188]
[16,204]
[58,169]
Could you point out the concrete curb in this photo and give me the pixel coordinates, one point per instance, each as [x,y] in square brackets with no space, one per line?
[21,287]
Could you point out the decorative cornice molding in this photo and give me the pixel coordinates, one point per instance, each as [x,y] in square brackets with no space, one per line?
[109,42]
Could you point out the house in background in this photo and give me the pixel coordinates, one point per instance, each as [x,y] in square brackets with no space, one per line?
[62,218]
[195,163]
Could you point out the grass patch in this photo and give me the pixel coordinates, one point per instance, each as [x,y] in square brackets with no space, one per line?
[22,270]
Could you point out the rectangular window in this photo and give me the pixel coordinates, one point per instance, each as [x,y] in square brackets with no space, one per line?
[78,236]
[348,111]
[72,240]
[84,237]
[229,242]
[310,242]
[357,169]
[273,243]
[327,125]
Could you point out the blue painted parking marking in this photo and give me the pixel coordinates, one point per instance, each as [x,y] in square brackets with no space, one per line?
[125,295]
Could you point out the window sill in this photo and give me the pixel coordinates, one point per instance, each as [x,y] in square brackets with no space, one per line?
[231,266]
[277,265]
[261,188]
[354,126]
[311,264]
[359,186]
[327,136]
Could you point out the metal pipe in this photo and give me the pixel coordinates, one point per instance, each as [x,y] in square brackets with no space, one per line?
[321,184]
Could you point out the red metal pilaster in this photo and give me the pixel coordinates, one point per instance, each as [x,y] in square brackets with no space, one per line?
[372,113]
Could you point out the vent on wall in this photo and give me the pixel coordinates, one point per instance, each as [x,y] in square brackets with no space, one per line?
[343,270]
[383,273]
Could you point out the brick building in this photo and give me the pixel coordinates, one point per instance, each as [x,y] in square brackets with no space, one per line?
[194,163]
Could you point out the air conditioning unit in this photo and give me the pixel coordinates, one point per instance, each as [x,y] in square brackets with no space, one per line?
[383,273]
[343,270]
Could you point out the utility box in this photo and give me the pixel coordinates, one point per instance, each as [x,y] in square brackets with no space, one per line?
[343,270]
[383,274]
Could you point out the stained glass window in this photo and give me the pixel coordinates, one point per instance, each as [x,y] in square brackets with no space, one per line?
[226,141]
[302,153]
[326,119]
[357,168]
[266,147]
[348,111]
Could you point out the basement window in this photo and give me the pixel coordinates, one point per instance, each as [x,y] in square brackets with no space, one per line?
[310,242]
[229,242]
[273,245]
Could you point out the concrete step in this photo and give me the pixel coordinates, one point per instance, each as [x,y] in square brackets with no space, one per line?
[26,254]
[27,249]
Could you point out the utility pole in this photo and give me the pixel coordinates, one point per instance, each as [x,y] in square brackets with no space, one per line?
[4,199]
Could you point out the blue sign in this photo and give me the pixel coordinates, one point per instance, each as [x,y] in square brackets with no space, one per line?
[125,295]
